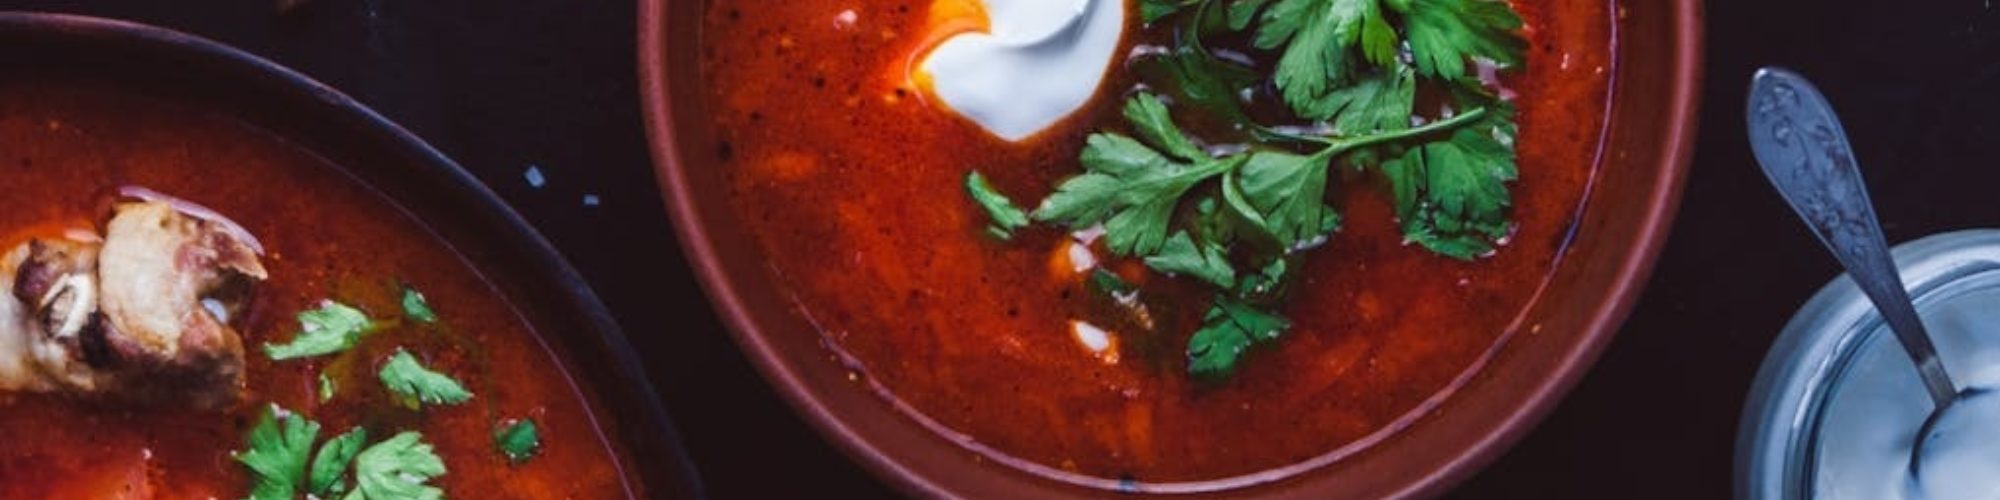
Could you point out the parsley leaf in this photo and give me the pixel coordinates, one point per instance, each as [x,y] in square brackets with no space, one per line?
[331,462]
[1154,10]
[1198,78]
[1350,70]
[416,307]
[518,441]
[1451,195]
[1288,191]
[1265,282]
[1130,187]
[1108,283]
[1150,117]
[1375,103]
[1205,260]
[1444,33]
[1319,38]
[275,452]
[397,469]
[1228,330]
[407,378]
[1241,12]
[333,327]
[1005,217]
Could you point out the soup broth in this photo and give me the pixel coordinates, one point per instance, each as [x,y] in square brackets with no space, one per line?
[68,146]
[849,176]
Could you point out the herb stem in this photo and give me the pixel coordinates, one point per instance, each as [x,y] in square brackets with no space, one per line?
[1339,146]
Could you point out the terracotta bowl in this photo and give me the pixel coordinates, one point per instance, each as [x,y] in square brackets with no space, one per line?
[1651,129]
[208,76]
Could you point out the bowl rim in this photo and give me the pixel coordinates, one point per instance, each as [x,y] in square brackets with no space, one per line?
[1630,277]
[552,267]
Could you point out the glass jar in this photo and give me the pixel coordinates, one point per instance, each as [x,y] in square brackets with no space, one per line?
[1837,405]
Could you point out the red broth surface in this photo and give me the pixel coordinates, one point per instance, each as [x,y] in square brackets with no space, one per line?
[65,146]
[851,182]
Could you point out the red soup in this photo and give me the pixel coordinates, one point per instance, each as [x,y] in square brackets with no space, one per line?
[851,178]
[70,148]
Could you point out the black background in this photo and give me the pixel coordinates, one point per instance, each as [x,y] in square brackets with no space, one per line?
[504,84]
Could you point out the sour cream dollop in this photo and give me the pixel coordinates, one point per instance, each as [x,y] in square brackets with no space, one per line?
[1038,62]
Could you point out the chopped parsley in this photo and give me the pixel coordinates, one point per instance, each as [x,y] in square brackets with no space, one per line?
[332,328]
[1445,33]
[1131,187]
[1004,216]
[416,307]
[1451,195]
[276,452]
[1227,331]
[277,449]
[1205,260]
[397,468]
[1318,40]
[415,384]
[331,463]
[1234,207]
[326,388]
[518,440]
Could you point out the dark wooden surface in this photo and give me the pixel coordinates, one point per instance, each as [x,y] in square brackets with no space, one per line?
[502,85]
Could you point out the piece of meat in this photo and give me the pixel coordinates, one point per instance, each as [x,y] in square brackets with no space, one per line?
[160,273]
[18,370]
[143,315]
[55,282]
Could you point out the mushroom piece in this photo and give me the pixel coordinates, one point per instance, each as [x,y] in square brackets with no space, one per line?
[142,315]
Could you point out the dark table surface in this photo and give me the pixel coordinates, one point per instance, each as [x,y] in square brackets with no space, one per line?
[502,85]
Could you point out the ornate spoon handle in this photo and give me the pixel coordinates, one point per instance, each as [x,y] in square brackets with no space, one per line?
[1803,150]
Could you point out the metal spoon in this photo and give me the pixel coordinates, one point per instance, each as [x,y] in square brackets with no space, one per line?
[1803,150]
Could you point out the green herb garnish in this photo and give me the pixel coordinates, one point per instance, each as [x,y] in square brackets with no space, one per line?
[1004,216]
[1131,187]
[277,448]
[1319,39]
[1204,260]
[1443,34]
[325,388]
[332,328]
[409,379]
[416,308]
[1227,331]
[1235,211]
[519,440]
[276,451]
[397,468]
[331,462]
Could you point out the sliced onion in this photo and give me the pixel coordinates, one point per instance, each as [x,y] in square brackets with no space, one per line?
[1489,75]
[197,211]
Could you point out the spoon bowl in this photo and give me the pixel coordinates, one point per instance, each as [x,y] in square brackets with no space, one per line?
[1952,458]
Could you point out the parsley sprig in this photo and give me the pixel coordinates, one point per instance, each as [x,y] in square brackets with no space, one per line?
[277,448]
[415,385]
[332,327]
[1235,216]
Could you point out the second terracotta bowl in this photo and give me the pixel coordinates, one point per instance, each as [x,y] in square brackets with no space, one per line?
[1641,168]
